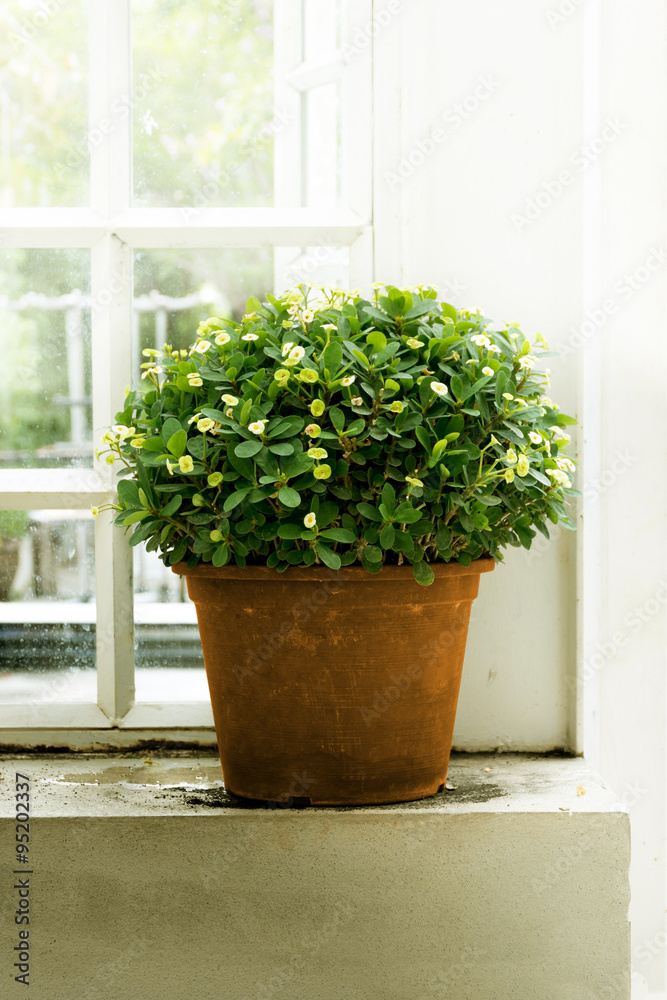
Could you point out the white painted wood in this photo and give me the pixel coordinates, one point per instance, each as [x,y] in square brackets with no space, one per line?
[237,227]
[41,715]
[54,489]
[167,715]
[50,228]
[111,316]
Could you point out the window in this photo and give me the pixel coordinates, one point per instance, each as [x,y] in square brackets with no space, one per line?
[161,161]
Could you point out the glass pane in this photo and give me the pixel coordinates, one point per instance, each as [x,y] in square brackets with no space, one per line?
[233,107]
[203,115]
[44,103]
[45,385]
[47,607]
[173,291]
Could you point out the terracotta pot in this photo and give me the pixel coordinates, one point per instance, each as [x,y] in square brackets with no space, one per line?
[333,688]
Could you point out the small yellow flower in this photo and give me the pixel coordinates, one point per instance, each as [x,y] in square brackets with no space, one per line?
[257,426]
[317,453]
[151,371]
[523,466]
[222,339]
[317,409]
[487,371]
[310,520]
[510,456]
[508,395]
[348,380]
[229,399]
[330,327]
[397,406]
[214,479]
[313,431]
[295,355]
[308,375]
[137,442]
[95,511]
[282,375]
[481,340]
[195,380]
[206,424]
[535,437]
[249,336]
[527,362]
[414,343]
[413,481]
[509,475]
[124,432]
[185,463]
[322,472]
[307,316]
[203,346]
[111,459]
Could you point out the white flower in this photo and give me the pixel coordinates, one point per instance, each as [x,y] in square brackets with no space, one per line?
[249,336]
[508,395]
[151,371]
[527,362]
[222,339]
[249,317]
[307,316]
[487,371]
[295,355]
[473,361]
[229,399]
[257,427]
[481,340]
[511,456]
[194,379]
[229,413]
[559,477]
[310,520]
[565,464]
[330,327]
[560,434]
[348,380]
[124,432]
[287,347]
[357,401]
[439,388]
[202,347]
[206,424]
[494,349]
[535,437]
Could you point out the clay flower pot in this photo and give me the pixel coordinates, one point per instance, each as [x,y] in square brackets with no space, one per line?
[333,687]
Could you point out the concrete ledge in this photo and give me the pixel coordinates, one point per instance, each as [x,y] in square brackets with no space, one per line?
[148,880]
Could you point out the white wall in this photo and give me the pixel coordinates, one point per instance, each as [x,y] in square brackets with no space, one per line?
[560,103]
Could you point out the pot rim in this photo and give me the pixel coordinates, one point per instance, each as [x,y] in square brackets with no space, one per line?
[352,573]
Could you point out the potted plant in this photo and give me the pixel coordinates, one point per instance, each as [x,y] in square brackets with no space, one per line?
[13,526]
[332,474]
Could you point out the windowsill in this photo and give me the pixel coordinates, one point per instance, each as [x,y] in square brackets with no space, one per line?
[183,784]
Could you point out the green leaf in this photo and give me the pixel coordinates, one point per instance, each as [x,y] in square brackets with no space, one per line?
[377,340]
[176,443]
[289,497]
[153,444]
[328,556]
[337,418]
[406,514]
[372,554]
[338,535]
[387,536]
[369,512]
[170,427]
[284,448]
[245,412]
[178,552]
[456,386]
[221,555]
[388,496]
[332,358]
[234,499]
[246,449]
[290,530]
[423,573]
[172,506]
[128,492]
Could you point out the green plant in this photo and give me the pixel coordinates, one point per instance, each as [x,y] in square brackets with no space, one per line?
[327,427]
[13,523]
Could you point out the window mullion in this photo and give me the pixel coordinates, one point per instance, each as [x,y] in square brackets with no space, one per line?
[111,318]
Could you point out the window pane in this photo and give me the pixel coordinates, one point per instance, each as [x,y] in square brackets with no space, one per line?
[44,103]
[173,291]
[45,419]
[222,106]
[47,607]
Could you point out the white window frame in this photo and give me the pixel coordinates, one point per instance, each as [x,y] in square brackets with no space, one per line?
[112,229]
